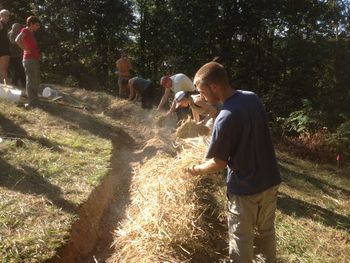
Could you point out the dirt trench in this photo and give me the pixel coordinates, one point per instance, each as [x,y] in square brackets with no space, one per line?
[91,235]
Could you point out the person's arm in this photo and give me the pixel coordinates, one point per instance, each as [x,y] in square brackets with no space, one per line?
[195,115]
[164,98]
[130,65]
[136,96]
[12,37]
[172,108]
[210,166]
[209,109]
[19,42]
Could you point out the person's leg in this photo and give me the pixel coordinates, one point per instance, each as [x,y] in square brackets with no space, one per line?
[147,98]
[4,63]
[242,212]
[265,240]
[18,71]
[22,75]
[120,86]
[32,71]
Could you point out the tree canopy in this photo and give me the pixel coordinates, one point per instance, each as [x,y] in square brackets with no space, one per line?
[289,52]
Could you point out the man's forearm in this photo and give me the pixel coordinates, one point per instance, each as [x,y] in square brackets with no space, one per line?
[211,166]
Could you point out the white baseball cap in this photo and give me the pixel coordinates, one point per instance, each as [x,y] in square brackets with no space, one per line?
[179,96]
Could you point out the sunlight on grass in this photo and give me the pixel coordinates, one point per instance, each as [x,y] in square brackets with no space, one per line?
[313,223]
[48,168]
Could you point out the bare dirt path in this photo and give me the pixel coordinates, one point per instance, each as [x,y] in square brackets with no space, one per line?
[92,235]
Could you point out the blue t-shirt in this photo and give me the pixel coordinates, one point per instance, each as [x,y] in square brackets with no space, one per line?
[241,137]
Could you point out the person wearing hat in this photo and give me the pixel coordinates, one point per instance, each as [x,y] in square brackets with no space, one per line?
[175,83]
[138,85]
[202,111]
[241,142]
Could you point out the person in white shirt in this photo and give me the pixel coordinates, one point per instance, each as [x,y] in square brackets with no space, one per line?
[175,83]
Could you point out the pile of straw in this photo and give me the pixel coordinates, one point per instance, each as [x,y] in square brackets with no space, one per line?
[164,219]
[190,129]
[166,121]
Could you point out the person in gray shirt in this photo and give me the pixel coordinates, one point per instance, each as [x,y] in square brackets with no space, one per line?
[144,87]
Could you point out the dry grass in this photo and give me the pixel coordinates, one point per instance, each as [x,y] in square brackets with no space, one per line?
[190,129]
[165,219]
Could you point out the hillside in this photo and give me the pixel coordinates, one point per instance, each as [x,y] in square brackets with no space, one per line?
[89,171]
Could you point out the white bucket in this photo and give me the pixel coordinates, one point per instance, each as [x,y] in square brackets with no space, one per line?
[9,94]
[49,92]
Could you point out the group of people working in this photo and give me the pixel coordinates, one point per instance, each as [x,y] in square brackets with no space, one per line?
[185,95]
[18,48]
[241,142]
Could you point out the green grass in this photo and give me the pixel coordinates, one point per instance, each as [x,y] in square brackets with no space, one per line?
[50,161]
[313,219]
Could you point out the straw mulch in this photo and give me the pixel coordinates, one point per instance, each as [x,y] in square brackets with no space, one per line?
[166,121]
[165,218]
[190,129]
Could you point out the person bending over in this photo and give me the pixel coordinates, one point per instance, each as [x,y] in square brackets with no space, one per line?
[144,87]
[202,111]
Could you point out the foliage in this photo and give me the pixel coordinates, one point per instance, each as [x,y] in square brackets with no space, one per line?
[80,38]
[285,51]
[302,121]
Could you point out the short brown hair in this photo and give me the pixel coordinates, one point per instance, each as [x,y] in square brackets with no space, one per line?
[32,20]
[212,72]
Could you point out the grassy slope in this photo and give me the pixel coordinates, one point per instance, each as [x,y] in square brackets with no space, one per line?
[66,151]
[60,156]
[313,220]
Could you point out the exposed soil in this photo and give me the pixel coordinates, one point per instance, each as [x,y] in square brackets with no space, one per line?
[91,236]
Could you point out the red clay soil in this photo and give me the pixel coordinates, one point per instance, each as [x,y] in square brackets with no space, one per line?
[91,235]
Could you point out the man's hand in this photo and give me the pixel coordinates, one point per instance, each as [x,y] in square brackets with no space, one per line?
[192,170]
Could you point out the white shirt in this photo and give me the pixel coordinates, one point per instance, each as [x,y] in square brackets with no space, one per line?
[181,83]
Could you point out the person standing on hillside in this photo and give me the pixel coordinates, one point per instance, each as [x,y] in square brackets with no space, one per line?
[31,56]
[241,142]
[175,83]
[19,77]
[124,69]
[4,45]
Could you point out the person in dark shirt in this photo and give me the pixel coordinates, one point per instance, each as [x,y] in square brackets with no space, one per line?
[137,86]
[19,77]
[4,45]
[241,142]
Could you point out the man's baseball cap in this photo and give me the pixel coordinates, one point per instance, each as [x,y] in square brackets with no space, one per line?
[179,96]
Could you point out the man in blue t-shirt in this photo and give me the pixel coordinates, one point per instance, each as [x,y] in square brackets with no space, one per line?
[241,142]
